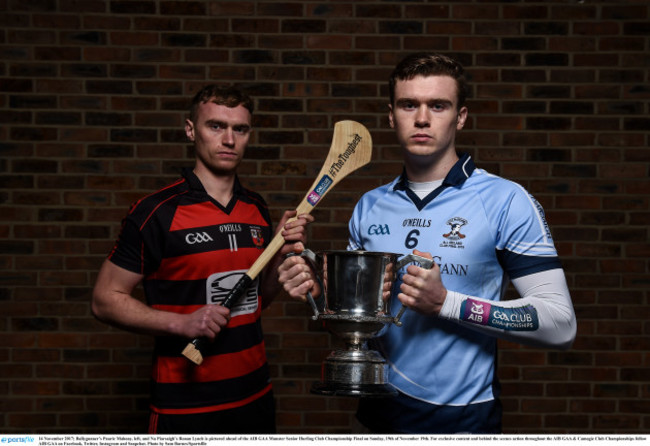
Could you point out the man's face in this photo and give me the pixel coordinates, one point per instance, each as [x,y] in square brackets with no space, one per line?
[425,115]
[220,135]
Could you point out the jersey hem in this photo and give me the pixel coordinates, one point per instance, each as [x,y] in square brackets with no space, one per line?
[442,404]
[214,408]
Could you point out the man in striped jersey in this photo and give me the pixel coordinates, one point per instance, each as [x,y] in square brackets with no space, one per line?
[188,244]
[483,232]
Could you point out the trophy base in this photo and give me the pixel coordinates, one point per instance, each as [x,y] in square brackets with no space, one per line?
[358,373]
[361,390]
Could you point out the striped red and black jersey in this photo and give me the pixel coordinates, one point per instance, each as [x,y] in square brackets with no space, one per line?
[191,251]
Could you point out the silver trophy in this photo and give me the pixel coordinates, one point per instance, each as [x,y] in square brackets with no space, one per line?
[352,307]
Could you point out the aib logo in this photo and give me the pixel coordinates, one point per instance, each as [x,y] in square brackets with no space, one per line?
[378,230]
[197,237]
[477,312]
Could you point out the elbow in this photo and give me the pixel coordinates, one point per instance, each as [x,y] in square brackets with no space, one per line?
[96,307]
[565,342]
[95,310]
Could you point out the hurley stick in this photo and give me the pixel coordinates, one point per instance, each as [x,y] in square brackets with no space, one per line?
[351,148]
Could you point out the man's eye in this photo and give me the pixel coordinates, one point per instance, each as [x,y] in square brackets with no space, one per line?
[242,130]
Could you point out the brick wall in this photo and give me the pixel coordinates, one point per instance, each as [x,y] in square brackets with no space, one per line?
[92,101]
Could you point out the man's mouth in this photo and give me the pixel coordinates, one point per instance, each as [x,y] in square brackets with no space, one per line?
[421,137]
[227,154]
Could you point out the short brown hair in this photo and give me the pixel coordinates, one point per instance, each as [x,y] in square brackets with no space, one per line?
[229,96]
[429,64]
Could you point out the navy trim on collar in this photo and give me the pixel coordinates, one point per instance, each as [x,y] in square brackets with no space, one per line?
[456,176]
[461,171]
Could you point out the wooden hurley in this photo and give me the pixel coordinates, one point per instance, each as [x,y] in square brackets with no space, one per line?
[351,149]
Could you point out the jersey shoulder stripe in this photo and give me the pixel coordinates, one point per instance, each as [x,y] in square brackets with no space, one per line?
[508,205]
[142,210]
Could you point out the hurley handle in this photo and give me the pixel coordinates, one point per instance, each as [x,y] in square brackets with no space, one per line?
[195,350]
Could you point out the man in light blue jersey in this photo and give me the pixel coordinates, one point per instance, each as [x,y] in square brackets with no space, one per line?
[483,232]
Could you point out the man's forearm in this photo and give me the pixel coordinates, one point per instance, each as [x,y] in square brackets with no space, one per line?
[126,312]
[543,316]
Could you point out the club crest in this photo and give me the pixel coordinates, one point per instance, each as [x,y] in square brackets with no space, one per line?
[453,238]
[257,236]
[455,224]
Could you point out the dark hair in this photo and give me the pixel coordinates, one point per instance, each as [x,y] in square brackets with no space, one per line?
[429,64]
[228,96]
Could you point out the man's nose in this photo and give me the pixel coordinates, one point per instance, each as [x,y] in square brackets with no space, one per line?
[422,117]
[229,137]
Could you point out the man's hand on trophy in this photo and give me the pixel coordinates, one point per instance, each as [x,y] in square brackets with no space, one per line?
[389,279]
[297,278]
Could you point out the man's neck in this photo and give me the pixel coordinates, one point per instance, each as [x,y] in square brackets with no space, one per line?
[421,169]
[219,187]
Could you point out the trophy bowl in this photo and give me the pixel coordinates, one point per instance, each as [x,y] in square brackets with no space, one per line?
[354,309]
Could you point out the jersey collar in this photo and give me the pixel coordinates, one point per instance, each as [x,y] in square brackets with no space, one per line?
[196,184]
[456,176]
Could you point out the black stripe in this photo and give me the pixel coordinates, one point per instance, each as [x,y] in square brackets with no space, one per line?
[175,292]
[214,238]
[188,395]
[229,340]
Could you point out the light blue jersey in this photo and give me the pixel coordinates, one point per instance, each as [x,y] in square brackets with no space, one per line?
[482,230]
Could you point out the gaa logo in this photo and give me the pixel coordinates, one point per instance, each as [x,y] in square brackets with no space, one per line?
[197,237]
[378,230]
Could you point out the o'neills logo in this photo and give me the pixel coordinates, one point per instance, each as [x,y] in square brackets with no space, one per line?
[343,157]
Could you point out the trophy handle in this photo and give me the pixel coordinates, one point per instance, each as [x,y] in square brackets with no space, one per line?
[312,259]
[410,258]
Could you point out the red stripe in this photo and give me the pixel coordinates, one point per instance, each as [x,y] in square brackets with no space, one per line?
[181,309]
[153,423]
[203,214]
[214,368]
[201,265]
[169,186]
[215,408]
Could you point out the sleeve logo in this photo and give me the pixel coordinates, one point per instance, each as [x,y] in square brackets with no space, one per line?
[509,319]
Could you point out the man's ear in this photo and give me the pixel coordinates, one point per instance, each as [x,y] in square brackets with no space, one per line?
[462,117]
[391,118]
[189,130]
